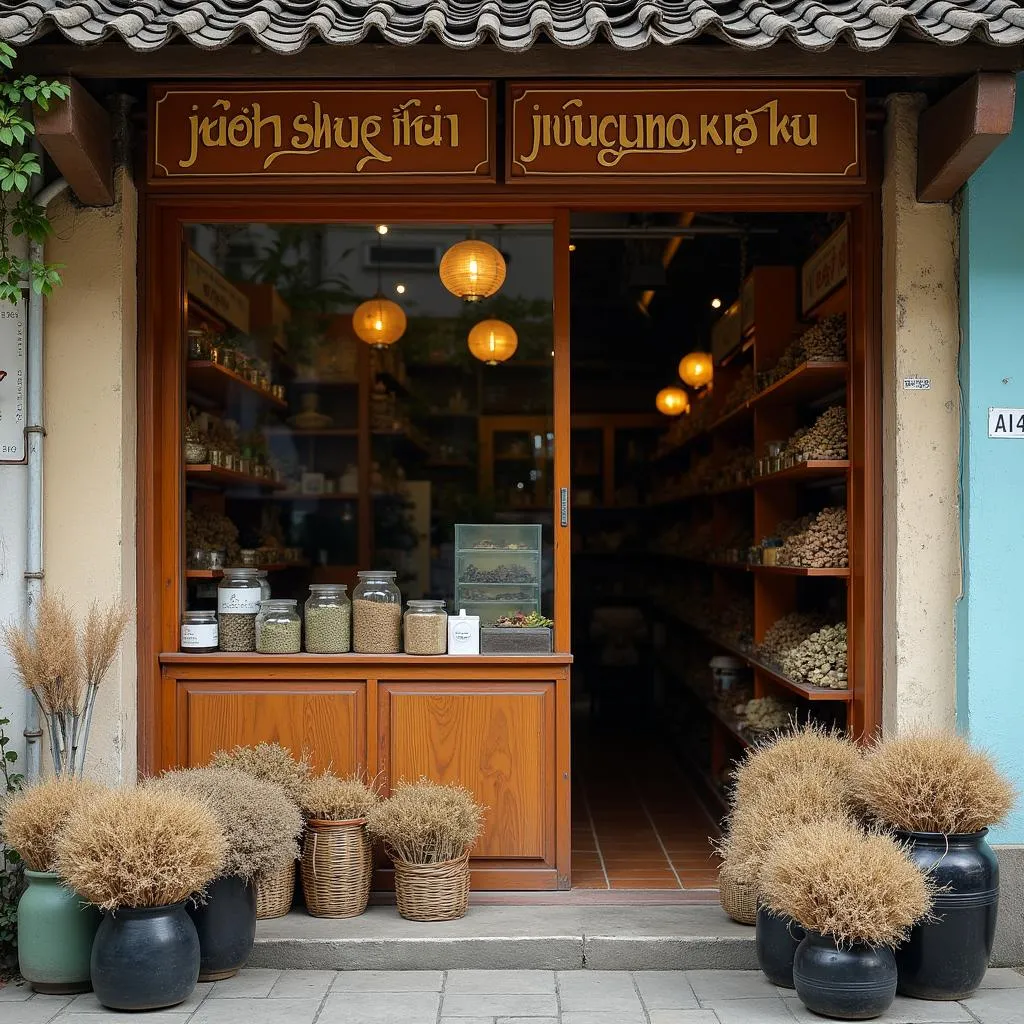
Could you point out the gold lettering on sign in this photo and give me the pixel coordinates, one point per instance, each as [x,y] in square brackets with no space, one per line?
[615,136]
[318,130]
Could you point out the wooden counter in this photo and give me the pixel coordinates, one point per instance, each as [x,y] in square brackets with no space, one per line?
[498,725]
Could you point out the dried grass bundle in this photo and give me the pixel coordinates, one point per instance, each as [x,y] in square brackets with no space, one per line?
[143,847]
[270,762]
[834,879]
[425,822]
[62,663]
[766,814]
[810,749]
[328,797]
[260,823]
[31,819]
[933,782]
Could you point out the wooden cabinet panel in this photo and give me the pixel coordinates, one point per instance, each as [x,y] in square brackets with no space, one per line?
[328,721]
[497,739]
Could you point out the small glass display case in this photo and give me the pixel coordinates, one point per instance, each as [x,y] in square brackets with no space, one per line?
[497,570]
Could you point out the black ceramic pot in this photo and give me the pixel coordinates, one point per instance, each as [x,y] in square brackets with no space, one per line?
[226,925]
[145,958]
[849,984]
[777,939]
[947,958]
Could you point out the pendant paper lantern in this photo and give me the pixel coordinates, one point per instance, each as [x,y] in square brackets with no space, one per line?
[672,401]
[493,341]
[697,369]
[472,270]
[379,322]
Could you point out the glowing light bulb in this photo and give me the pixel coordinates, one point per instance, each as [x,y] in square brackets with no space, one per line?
[400,288]
[716,303]
[382,229]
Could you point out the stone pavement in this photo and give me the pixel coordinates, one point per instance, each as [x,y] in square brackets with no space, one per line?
[504,997]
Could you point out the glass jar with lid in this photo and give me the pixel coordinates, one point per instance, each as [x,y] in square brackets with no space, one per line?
[377,613]
[238,602]
[199,632]
[264,578]
[426,627]
[328,619]
[278,627]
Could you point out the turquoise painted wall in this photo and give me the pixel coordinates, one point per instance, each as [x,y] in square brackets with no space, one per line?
[990,624]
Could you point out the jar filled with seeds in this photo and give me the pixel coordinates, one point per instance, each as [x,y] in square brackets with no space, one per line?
[426,628]
[278,627]
[199,632]
[377,613]
[328,619]
[238,602]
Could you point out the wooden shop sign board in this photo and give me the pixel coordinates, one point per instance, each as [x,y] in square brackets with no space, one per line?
[772,133]
[326,133]
[826,270]
[216,292]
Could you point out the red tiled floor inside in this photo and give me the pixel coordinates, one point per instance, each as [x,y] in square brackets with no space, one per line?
[637,822]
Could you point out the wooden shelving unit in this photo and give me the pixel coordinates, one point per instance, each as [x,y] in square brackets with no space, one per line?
[216,383]
[217,475]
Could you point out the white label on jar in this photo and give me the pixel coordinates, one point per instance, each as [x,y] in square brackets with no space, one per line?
[238,600]
[199,635]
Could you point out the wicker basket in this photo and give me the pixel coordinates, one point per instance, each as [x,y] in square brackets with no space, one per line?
[432,892]
[739,901]
[337,866]
[274,893]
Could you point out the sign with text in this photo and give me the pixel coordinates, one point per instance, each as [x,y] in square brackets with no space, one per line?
[1006,423]
[13,382]
[216,292]
[826,270]
[326,132]
[766,132]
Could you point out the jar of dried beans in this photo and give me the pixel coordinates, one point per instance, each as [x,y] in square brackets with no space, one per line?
[426,628]
[328,619]
[238,602]
[377,613]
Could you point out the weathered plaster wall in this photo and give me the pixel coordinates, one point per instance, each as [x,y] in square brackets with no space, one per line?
[920,338]
[89,469]
[991,625]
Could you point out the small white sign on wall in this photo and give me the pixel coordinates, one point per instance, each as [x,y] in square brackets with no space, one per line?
[13,382]
[1006,423]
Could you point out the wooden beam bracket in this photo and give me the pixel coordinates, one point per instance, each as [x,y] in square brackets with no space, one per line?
[958,134]
[78,135]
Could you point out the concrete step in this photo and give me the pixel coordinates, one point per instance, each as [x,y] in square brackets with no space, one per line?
[626,938]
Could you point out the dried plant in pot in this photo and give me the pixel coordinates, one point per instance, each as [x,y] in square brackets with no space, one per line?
[261,826]
[940,796]
[795,778]
[139,855]
[428,830]
[55,931]
[272,763]
[337,854]
[857,894]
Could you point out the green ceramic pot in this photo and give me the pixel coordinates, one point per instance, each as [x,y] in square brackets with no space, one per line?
[55,934]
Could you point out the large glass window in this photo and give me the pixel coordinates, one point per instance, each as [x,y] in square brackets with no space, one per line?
[350,401]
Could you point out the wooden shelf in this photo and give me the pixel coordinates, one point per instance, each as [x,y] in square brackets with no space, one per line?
[322,432]
[217,383]
[208,474]
[216,574]
[815,469]
[804,690]
[800,570]
[808,381]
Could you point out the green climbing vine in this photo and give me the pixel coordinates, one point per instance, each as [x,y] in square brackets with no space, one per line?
[20,215]
[11,873]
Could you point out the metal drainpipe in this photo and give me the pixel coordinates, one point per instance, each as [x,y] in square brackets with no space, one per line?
[34,440]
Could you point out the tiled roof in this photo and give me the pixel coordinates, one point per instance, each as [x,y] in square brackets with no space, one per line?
[286,26]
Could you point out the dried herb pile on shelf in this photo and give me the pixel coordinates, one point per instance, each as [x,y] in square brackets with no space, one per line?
[826,439]
[742,391]
[786,633]
[206,530]
[822,545]
[824,342]
[820,659]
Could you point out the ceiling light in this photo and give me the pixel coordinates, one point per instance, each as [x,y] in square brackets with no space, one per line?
[672,401]
[716,303]
[696,369]
[400,288]
[379,322]
[472,270]
[493,341]
[382,229]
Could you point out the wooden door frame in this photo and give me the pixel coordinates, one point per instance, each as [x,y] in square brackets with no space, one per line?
[161,287]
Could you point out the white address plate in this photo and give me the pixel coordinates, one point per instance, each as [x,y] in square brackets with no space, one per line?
[1006,423]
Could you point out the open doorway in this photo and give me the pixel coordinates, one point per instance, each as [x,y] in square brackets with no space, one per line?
[679,616]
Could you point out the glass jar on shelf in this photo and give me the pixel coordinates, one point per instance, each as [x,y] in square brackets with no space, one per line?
[198,343]
[264,577]
[426,627]
[377,613]
[199,632]
[247,557]
[328,619]
[278,627]
[238,602]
